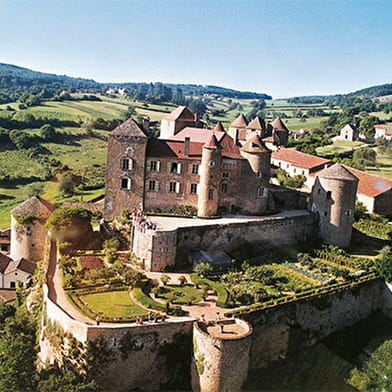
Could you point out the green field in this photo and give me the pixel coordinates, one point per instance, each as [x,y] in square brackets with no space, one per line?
[185,294]
[337,147]
[114,304]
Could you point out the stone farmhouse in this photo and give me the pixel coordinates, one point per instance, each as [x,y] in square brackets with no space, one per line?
[207,169]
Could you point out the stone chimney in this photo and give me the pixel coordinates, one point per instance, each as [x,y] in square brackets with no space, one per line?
[186,146]
[197,120]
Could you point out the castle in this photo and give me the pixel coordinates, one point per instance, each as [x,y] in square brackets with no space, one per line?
[207,169]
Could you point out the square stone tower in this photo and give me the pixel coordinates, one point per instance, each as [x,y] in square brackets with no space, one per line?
[125,169]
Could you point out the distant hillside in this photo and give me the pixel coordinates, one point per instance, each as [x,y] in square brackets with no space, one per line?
[15,81]
[368,92]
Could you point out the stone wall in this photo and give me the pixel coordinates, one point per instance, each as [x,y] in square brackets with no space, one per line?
[165,247]
[317,316]
[143,357]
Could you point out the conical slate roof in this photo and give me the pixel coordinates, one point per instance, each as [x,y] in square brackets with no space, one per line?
[257,123]
[337,172]
[239,122]
[278,124]
[213,142]
[254,145]
[128,128]
[34,206]
[219,127]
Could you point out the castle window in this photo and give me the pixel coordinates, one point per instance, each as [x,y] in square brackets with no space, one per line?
[195,169]
[153,186]
[174,187]
[154,166]
[329,195]
[126,164]
[224,187]
[258,174]
[193,189]
[211,164]
[126,183]
[210,194]
[175,168]
[262,192]
[225,175]
[12,285]
[348,213]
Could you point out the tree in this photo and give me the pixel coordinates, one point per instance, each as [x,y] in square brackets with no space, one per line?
[365,156]
[47,132]
[383,263]
[165,278]
[34,189]
[376,373]
[203,269]
[17,353]
[68,183]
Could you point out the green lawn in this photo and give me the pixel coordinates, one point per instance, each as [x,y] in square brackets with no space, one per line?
[185,293]
[384,167]
[114,304]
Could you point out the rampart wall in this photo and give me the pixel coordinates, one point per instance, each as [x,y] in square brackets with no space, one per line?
[159,248]
[318,316]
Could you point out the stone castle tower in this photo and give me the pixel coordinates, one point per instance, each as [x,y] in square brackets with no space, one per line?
[333,199]
[210,173]
[28,230]
[259,158]
[125,169]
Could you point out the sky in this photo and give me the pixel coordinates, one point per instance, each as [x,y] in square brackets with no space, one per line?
[283,48]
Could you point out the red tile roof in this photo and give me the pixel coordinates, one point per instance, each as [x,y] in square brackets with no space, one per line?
[160,148]
[4,261]
[181,113]
[298,158]
[34,206]
[257,123]
[198,135]
[91,262]
[7,295]
[239,122]
[128,128]
[21,264]
[370,184]
[213,142]
[279,125]
[255,144]
[219,127]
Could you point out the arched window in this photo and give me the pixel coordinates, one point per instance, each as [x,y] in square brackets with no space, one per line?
[125,183]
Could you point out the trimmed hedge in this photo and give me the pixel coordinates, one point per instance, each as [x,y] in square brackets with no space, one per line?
[303,294]
[141,294]
[223,294]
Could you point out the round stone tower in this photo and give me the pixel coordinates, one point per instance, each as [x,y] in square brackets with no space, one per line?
[220,356]
[210,172]
[333,200]
[28,230]
[259,158]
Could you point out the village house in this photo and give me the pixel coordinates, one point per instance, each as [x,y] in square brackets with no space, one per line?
[12,271]
[383,131]
[299,163]
[5,240]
